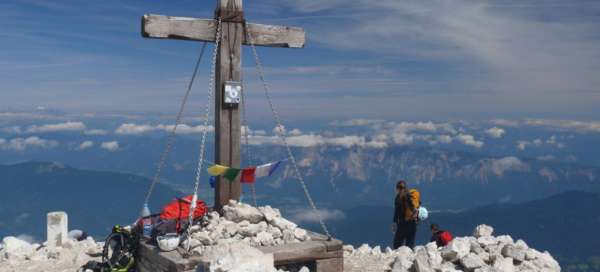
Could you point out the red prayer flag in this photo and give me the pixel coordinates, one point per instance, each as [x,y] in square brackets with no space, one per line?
[248,175]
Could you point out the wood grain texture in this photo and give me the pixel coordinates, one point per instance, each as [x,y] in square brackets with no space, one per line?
[186,28]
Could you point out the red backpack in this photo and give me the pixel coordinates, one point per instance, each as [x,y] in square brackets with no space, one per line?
[445,237]
[179,209]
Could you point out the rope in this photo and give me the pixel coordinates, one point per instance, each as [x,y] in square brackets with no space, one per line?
[171,136]
[281,134]
[205,132]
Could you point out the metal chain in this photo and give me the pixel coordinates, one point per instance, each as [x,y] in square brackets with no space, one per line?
[171,137]
[205,132]
[281,134]
[246,144]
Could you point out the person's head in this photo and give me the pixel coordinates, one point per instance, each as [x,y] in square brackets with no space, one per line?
[400,186]
[434,228]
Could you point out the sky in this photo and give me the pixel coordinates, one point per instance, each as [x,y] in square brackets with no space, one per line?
[389,59]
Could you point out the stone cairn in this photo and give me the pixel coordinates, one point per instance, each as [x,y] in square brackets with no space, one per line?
[262,226]
[481,252]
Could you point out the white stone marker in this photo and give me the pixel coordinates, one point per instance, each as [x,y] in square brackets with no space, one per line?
[57,228]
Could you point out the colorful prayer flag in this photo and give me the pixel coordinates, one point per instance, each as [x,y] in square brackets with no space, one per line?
[217,170]
[266,169]
[248,175]
[274,167]
[212,180]
[231,174]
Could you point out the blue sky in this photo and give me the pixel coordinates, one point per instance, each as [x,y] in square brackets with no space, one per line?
[363,59]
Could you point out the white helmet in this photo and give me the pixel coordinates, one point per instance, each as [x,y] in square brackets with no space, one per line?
[423,213]
[168,242]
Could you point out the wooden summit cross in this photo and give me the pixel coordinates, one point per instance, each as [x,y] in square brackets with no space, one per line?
[227,118]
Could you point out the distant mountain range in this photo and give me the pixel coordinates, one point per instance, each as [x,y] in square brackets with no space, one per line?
[564,224]
[94,200]
[341,177]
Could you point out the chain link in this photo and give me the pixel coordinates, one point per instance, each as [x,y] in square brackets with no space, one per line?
[211,87]
[249,156]
[281,134]
[171,137]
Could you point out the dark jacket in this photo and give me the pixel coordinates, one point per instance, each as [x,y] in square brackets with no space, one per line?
[402,206]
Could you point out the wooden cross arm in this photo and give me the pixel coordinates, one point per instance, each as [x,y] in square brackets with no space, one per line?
[185,28]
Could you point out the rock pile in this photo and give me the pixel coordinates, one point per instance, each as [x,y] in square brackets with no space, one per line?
[262,226]
[481,252]
[19,255]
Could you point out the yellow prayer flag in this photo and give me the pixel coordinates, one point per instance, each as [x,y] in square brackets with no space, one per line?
[217,170]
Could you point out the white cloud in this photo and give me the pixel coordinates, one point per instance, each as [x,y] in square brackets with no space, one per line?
[502,165]
[546,158]
[95,132]
[279,130]
[310,216]
[579,126]
[85,145]
[469,140]
[60,127]
[495,132]
[505,123]
[135,129]
[295,132]
[110,146]
[357,122]
[522,145]
[22,144]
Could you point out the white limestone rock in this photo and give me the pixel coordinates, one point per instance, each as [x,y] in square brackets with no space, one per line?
[483,231]
[269,213]
[423,261]
[16,248]
[504,265]
[283,224]
[546,262]
[471,261]
[238,212]
[511,251]
[300,234]
[456,249]
[238,257]
[264,238]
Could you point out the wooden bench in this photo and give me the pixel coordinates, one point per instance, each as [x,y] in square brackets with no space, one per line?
[318,254]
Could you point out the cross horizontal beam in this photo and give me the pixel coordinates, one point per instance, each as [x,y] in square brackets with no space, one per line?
[186,28]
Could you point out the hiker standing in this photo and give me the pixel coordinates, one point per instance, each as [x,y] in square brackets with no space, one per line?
[406,204]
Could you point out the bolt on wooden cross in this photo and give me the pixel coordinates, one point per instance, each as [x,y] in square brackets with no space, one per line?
[227,118]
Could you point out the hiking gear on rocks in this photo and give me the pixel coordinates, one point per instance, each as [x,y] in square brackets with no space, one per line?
[168,242]
[179,210]
[119,250]
[423,213]
[146,222]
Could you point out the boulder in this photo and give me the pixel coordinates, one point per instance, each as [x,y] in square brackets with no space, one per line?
[456,249]
[269,213]
[546,262]
[283,224]
[471,261]
[300,234]
[16,248]
[434,255]
[505,239]
[486,241]
[504,265]
[403,263]
[238,212]
[264,238]
[422,262]
[483,231]
[238,257]
[516,253]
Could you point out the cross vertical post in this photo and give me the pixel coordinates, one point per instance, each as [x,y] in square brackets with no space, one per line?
[227,118]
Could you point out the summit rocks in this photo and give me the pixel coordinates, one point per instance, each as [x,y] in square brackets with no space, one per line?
[480,253]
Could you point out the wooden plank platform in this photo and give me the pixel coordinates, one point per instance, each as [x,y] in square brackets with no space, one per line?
[318,254]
